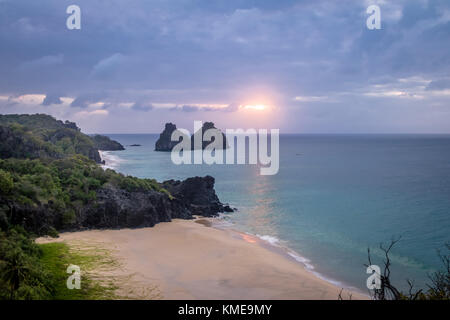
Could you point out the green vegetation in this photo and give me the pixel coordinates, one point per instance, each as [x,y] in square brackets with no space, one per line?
[48,172]
[105,143]
[63,186]
[36,122]
[22,275]
[56,257]
[42,136]
[30,271]
[98,277]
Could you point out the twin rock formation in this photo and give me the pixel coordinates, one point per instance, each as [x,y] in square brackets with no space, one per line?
[165,143]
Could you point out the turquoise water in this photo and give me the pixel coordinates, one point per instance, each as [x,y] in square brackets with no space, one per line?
[334,196]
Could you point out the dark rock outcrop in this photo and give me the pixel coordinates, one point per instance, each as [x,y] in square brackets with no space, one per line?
[70,125]
[164,142]
[118,208]
[199,193]
[104,143]
[199,134]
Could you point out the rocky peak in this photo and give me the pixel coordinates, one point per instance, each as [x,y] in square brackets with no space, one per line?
[164,142]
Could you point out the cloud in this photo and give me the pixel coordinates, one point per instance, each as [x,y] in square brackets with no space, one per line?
[188,108]
[42,62]
[231,107]
[85,114]
[142,107]
[85,100]
[24,25]
[28,99]
[207,108]
[51,99]
[7,102]
[439,84]
[393,94]
[311,98]
[108,66]
[174,53]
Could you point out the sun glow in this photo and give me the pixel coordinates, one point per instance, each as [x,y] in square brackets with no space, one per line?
[258,107]
[248,238]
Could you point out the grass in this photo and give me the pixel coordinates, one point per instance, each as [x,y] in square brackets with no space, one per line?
[99,281]
[58,256]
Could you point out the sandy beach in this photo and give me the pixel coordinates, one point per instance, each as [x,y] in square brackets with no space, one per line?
[192,260]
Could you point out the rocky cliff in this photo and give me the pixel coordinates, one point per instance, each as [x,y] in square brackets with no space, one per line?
[164,142]
[115,207]
[199,134]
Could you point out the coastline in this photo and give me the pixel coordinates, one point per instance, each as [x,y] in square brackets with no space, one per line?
[268,242]
[111,161]
[275,243]
[190,259]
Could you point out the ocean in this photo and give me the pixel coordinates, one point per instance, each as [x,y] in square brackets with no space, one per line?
[334,196]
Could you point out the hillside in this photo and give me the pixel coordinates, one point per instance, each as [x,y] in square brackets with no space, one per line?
[106,144]
[42,136]
[49,181]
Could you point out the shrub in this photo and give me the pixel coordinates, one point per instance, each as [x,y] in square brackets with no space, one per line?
[21,273]
[6,182]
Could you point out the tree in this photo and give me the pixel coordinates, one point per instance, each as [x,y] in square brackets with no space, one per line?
[6,182]
[439,289]
[21,273]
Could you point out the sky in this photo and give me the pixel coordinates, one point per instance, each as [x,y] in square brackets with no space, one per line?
[301,66]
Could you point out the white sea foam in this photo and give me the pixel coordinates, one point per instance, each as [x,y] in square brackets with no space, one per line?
[112,161]
[306,262]
[308,266]
[222,221]
[270,239]
[274,241]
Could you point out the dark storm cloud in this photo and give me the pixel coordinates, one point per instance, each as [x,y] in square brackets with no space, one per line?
[84,100]
[187,108]
[142,107]
[51,99]
[199,53]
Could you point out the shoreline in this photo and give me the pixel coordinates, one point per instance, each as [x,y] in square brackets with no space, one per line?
[278,244]
[108,158]
[262,240]
[192,259]
[273,243]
